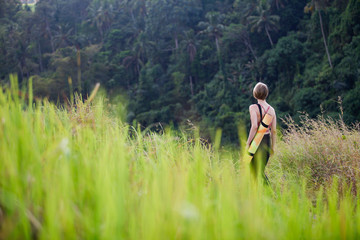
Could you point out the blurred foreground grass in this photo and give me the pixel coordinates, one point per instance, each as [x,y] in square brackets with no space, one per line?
[79,173]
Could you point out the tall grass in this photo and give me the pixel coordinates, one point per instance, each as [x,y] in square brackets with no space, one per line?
[320,150]
[78,174]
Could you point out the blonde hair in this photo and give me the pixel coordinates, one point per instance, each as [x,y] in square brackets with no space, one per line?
[260,91]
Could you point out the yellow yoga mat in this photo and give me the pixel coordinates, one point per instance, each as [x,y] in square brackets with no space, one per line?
[264,125]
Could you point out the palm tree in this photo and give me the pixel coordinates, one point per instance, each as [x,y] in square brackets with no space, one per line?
[189,45]
[140,48]
[249,8]
[318,5]
[135,8]
[239,31]
[101,15]
[214,28]
[45,13]
[62,36]
[278,3]
[263,20]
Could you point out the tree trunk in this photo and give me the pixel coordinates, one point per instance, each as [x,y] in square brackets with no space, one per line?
[40,57]
[191,86]
[50,35]
[325,44]
[101,34]
[176,42]
[138,67]
[176,45]
[219,57]
[79,69]
[252,50]
[246,40]
[248,44]
[268,34]
[217,45]
[133,17]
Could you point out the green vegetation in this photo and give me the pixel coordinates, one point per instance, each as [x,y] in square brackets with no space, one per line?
[29,7]
[191,60]
[80,172]
[161,159]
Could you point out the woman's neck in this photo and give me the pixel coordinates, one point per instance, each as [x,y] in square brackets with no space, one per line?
[262,101]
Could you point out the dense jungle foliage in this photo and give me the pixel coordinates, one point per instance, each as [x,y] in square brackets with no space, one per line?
[189,61]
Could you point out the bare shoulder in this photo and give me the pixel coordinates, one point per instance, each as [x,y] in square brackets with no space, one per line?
[272,110]
[252,107]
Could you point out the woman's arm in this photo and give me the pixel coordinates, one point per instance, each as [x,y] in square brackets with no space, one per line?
[254,124]
[273,133]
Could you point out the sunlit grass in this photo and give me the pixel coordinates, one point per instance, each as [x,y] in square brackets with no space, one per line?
[319,150]
[30,5]
[79,173]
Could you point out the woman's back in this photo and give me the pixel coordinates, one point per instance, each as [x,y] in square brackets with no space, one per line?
[266,146]
[265,108]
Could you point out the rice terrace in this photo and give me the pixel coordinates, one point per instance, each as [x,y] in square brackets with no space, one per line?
[179,119]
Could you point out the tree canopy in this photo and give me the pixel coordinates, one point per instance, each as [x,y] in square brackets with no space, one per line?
[190,60]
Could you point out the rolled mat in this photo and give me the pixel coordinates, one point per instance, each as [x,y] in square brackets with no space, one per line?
[264,125]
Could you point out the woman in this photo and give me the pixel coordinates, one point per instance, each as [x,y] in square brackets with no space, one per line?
[266,148]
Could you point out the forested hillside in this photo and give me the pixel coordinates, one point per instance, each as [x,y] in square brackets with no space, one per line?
[197,60]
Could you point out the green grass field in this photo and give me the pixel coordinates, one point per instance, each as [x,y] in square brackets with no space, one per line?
[82,173]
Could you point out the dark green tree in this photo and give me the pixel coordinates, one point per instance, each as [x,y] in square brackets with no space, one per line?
[318,6]
[263,20]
